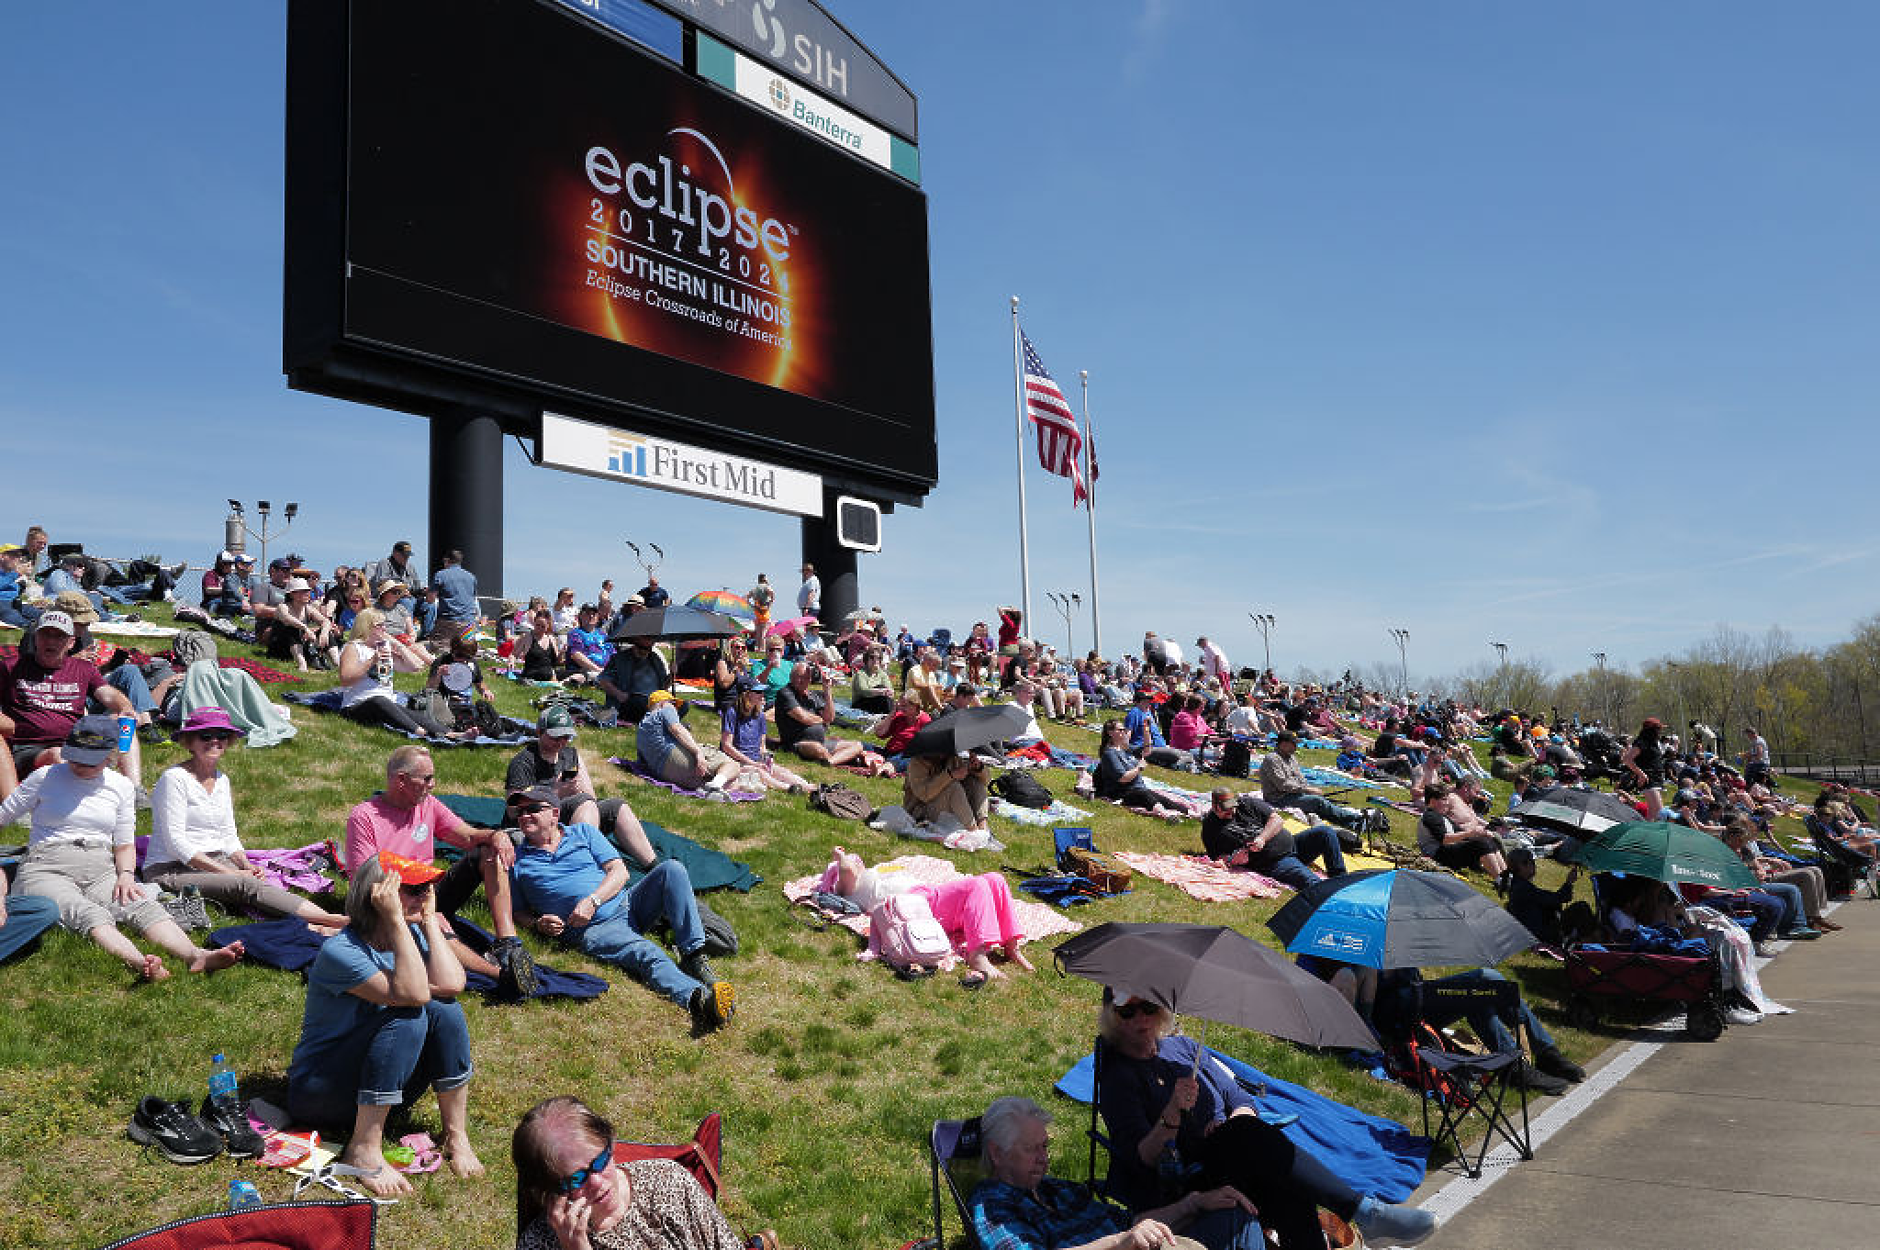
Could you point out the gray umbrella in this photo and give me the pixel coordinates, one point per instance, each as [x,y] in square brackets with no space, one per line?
[678,623]
[1215,973]
[963,729]
[1573,810]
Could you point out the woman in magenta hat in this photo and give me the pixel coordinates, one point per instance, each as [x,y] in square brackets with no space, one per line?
[192,830]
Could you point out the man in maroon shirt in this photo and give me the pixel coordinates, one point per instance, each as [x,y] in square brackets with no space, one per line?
[42,694]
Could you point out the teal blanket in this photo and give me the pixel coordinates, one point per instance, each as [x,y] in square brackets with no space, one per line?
[709,869]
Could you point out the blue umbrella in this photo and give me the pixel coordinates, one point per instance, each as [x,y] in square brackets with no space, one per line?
[1395,918]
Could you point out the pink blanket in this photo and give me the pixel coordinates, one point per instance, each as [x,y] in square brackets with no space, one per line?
[1035,920]
[1200,877]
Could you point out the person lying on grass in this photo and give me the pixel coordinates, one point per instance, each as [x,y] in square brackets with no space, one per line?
[382,1022]
[976,912]
[82,854]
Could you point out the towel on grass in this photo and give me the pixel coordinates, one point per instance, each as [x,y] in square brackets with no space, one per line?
[516,732]
[711,796]
[708,869]
[1200,877]
[1035,920]
[1043,817]
[1371,1154]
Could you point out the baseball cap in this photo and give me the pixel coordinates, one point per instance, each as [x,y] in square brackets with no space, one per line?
[73,557]
[56,620]
[244,558]
[1285,735]
[408,871]
[402,547]
[225,557]
[556,722]
[658,697]
[93,740]
[532,797]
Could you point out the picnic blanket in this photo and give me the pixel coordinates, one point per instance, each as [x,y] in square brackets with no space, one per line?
[1197,876]
[290,868]
[944,829]
[519,732]
[1035,920]
[1335,779]
[1043,817]
[709,869]
[711,796]
[292,945]
[133,629]
[1373,1155]
[266,674]
[1193,801]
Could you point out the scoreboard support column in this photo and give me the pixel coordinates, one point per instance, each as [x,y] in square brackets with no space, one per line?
[467,494]
[835,563]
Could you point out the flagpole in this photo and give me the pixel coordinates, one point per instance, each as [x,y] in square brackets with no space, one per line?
[1018,396]
[1090,503]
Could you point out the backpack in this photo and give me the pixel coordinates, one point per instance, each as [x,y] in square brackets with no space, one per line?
[840,801]
[192,645]
[903,932]
[1236,758]
[1022,789]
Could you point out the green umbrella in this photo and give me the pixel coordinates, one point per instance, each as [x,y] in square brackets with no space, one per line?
[1666,852]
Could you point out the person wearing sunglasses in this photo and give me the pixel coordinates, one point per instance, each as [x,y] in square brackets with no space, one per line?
[1179,1121]
[193,841]
[572,1195]
[382,1023]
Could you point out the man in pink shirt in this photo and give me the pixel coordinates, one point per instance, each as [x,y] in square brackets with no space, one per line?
[406,819]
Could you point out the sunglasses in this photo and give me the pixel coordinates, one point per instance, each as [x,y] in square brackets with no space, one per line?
[579,1177]
[1129,1011]
[215,735]
[532,809]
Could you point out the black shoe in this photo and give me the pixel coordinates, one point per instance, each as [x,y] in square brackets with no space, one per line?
[1540,1082]
[1552,1062]
[712,1006]
[238,1136]
[177,1135]
[698,967]
[516,978]
[152,733]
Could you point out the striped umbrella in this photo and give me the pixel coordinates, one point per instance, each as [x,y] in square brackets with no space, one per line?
[723,602]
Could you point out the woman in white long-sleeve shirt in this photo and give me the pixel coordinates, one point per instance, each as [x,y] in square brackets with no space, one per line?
[82,854]
[193,841]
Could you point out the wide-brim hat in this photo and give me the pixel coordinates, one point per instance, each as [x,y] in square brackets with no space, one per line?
[207,718]
[75,605]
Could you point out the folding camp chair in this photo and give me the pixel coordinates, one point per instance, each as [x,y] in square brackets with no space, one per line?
[701,1157]
[954,1159]
[1464,1087]
[1852,865]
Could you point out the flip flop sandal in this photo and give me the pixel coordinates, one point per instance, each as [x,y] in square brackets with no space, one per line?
[974,980]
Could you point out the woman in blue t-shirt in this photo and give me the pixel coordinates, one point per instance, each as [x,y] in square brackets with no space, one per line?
[382,1022]
[741,738]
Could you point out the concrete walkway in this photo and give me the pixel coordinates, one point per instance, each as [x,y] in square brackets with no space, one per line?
[1767,1138]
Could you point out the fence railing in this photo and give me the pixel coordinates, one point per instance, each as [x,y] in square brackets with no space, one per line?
[1819,767]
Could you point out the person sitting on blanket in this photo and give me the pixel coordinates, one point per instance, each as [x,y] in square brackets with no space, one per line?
[571,885]
[193,841]
[366,665]
[572,1193]
[669,752]
[976,912]
[82,854]
[741,738]
[553,761]
[1455,837]
[543,654]
[1248,832]
[1156,1094]
[1019,1207]
[898,729]
[1283,784]
[634,673]
[407,819]
[925,683]
[390,599]
[44,691]
[1119,777]
[947,784]
[804,715]
[458,674]
[1025,695]
[382,1021]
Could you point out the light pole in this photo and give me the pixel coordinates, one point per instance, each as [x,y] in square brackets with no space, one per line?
[1066,604]
[1605,693]
[649,565]
[1263,621]
[1501,649]
[1402,638]
[262,508]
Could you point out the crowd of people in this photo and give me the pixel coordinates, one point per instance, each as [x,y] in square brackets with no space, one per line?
[381,1022]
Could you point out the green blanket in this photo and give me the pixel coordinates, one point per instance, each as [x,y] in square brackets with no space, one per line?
[241,696]
[709,869]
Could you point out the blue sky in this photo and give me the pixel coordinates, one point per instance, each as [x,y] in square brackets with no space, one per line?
[1548,324]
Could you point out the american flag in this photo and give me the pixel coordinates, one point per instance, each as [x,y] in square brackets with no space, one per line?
[1059,441]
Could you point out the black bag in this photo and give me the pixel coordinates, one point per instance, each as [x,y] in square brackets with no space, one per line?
[720,937]
[840,801]
[1023,789]
[1236,758]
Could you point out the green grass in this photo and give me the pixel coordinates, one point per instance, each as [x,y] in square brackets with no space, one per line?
[828,1079]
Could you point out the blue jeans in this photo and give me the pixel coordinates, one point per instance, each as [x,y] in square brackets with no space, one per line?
[395,1054]
[1322,807]
[28,916]
[1489,1027]
[1231,1229]
[1318,842]
[1788,898]
[665,893]
[129,679]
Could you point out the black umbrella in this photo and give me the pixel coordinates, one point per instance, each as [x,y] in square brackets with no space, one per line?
[673,622]
[1395,918]
[1215,973]
[1575,811]
[964,728]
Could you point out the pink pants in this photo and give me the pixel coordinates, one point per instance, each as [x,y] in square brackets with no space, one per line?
[976,912]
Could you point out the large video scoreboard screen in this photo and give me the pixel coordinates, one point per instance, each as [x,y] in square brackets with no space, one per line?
[532,205]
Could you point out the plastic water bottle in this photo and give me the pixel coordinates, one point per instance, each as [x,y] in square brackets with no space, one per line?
[242,1195]
[222,1087]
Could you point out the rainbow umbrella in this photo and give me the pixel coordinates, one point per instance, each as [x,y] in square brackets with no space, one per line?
[724,602]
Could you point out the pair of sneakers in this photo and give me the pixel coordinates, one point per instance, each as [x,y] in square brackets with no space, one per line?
[169,1129]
